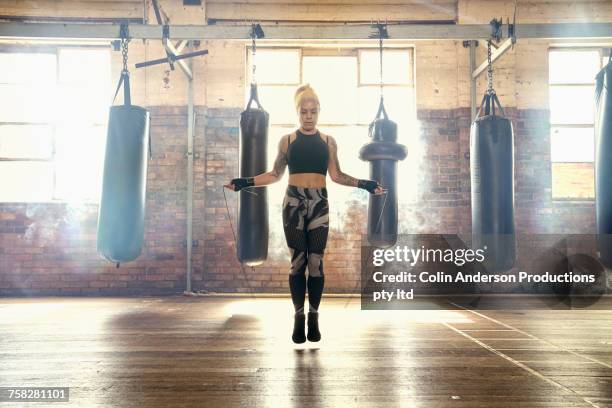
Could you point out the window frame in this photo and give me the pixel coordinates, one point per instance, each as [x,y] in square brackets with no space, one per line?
[331,50]
[552,125]
[53,49]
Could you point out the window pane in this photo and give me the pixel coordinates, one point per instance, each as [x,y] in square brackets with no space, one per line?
[396,67]
[85,66]
[573,66]
[335,81]
[79,162]
[83,103]
[26,141]
[27,103]
[27,68]
[276,66]
[26,181]
[573,180]
[278,102]
[572,104]
[572,144]
[399,104]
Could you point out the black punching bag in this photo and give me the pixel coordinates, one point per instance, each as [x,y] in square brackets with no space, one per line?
[383,153]
[492,174]
[122,205]
[252,245]
[603,164]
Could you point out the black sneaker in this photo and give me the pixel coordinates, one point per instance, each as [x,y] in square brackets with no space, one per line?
[313,327]
[299,336]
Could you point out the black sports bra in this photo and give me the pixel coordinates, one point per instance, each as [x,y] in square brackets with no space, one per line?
[307,154]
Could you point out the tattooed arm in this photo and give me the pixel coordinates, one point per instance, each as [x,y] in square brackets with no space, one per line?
[277,172]
[280,164]
[339,177]
[334,166]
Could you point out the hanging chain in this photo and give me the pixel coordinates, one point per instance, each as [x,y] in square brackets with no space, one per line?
[380,49]
[124,46]
[489,70]
[253,35]
[380,56]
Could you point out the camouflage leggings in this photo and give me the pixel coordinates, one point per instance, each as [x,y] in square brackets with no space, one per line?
[306,225]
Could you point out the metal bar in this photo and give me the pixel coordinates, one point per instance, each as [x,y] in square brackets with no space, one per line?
[158,17]
[67,20]
[170,48]
[472,80]
[495,55]
[174,58]
[180,45]
[190,118]
[304,32]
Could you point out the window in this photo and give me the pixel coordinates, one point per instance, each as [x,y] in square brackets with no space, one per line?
[53,113]
[347,83]
[572,111]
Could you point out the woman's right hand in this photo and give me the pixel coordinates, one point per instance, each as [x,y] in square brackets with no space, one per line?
[238,184]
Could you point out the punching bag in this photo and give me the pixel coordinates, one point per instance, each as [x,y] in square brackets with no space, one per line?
[383,153]
[492,176]
[122,205]
[252,245]
[603,164]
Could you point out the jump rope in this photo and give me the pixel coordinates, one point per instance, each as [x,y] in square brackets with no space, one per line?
[247,190]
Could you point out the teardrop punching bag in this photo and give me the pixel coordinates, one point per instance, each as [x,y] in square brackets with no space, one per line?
[492,176]
[252,248]
[383,153]
[122,205]
[603,164]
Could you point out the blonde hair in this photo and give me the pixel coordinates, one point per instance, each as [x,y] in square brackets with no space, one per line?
[303,93]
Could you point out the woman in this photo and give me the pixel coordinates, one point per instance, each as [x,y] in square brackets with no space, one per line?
[309,155]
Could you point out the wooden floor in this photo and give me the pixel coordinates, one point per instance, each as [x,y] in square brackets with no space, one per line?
[237,352]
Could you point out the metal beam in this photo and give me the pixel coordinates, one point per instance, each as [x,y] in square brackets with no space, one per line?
[170,48]
[472,45]
[335,31]
[180,45]
[495,55]
[190,126]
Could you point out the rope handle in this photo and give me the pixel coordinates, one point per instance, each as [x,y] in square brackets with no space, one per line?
[254,97]
[125,80]
[381,109]
[488,102]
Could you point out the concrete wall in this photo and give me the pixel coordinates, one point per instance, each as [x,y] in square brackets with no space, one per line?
[50,248]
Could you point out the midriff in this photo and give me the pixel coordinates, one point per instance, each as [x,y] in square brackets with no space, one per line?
[307,180]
